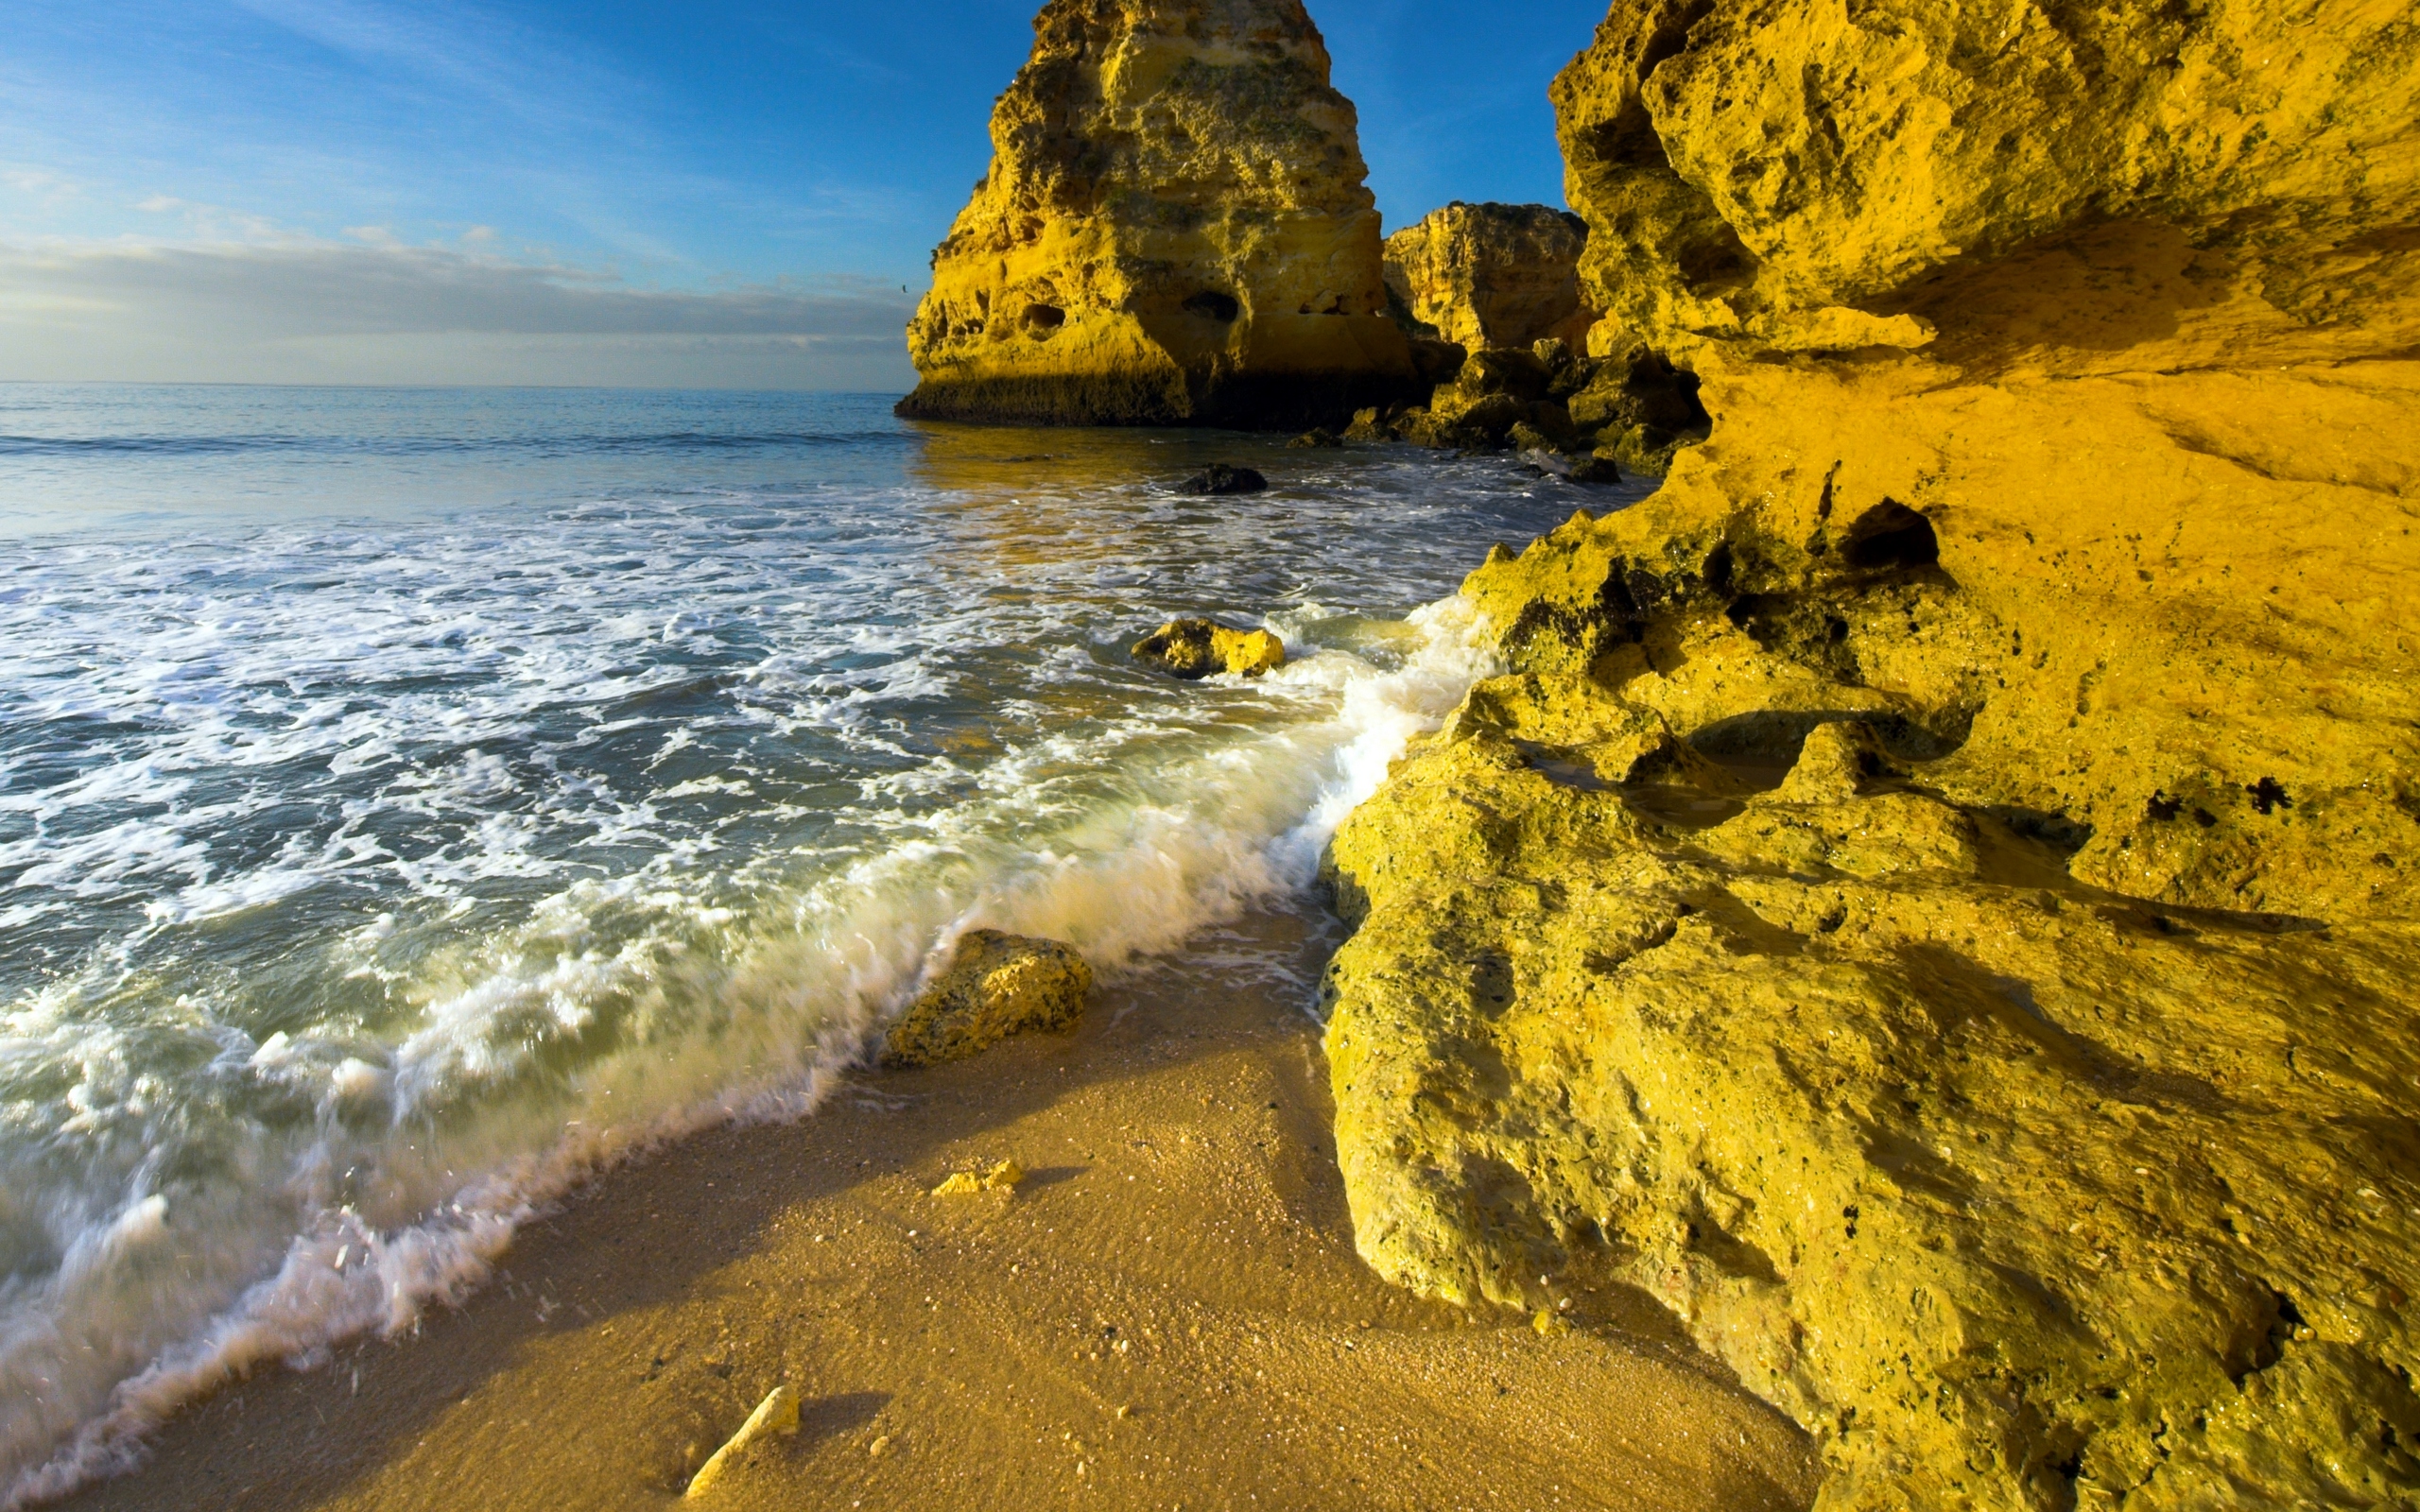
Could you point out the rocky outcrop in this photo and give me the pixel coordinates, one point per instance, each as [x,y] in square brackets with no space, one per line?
[1174,231]
[1492,275]
[1629,412]
[1934,898]
[997,985]
[1195,649]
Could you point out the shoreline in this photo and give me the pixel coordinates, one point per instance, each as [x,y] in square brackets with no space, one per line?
[1168,1312]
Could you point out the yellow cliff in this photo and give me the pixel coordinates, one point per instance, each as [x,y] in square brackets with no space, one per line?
[1933,898]
[1491,275]
[1174,230]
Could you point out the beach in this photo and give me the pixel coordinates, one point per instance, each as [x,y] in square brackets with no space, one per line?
[1165,1313]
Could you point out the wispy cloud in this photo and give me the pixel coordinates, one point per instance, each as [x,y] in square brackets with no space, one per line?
[305,310]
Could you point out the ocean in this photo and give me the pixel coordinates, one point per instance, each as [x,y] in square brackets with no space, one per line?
[414,802]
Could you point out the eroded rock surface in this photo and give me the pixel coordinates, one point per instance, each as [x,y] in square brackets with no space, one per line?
[1195,649]
[997,985]
[1491,275]
[1933,899]
[1174,231]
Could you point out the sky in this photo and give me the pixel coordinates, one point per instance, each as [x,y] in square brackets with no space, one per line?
[718,194]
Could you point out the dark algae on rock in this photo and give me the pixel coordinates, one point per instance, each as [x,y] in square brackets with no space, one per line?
[1932,897]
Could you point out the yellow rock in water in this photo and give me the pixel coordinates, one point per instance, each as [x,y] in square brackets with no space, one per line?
[997,985]
[1174,231]
[1195,649]
[1934,899]
[1492,275]
[776,1414]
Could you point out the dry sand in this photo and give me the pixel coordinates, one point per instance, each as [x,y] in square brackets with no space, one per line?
[1167,1313]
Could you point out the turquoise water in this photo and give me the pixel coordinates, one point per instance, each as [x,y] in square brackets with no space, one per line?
[412,802]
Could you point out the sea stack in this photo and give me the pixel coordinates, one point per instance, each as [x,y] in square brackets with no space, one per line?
[1174,231]
[2019,1091]
[1491,275]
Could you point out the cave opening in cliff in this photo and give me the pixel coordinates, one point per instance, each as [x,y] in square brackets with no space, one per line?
[1891,534]
[1214,305]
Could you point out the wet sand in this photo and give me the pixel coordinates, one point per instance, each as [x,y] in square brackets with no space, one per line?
[1167,1313]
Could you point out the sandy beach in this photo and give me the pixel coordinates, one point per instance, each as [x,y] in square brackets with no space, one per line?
[1168,1312]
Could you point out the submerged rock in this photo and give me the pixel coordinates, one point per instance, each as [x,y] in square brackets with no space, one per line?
[1194,649]
[1317,438]
[997,985]
[2005,1058]
[1491,275]
[1174,231]
[1219,479]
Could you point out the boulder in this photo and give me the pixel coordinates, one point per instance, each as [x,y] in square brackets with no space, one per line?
[1219,479]
[1174,230]
[997,985]
[1638,407]
[1491,275]
[1317,438]
[1195,649]
[1370,425]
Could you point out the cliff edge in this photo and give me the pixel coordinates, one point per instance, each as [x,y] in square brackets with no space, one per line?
[1933,897]
[1174,231]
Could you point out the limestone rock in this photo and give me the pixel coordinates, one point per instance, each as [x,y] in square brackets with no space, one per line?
[1194,649]
[776,1414]
[1003,1177]
[1219,478]
[2009,1072]
[1174,231]
[997,985]
[1491,275]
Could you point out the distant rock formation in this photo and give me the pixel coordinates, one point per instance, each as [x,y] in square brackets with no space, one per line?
[1491,275]
[1174,231]
[1936,896]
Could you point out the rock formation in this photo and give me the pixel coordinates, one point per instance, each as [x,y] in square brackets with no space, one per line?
[1493,275]
[996,986]
[1194,649]
[1933,898]
[1174,231]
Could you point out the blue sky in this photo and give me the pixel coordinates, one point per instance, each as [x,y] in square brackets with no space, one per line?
[717,193]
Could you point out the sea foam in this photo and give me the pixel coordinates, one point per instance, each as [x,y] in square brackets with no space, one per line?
[371,885]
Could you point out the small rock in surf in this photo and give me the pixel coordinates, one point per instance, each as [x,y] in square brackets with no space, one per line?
[997,985]
[1193,648]
[1221,479]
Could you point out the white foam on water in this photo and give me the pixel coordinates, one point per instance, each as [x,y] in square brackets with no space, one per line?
[1119,839]
[369,886]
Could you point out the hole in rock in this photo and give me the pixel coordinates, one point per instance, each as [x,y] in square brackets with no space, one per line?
[1212,305]
[1044,318]
[1891,534]
[2267,796]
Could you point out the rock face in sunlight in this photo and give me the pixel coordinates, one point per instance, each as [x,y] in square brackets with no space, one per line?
[1493,275]
[1193,650]
[997,985]
[1933,898]
[1174,231]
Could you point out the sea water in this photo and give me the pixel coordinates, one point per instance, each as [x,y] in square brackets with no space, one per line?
[414,802]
